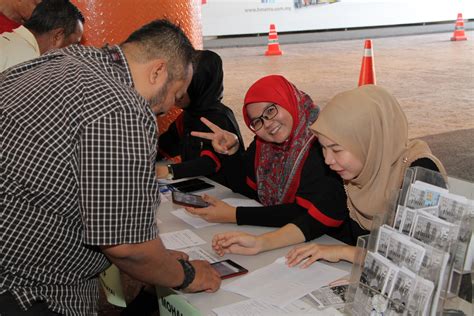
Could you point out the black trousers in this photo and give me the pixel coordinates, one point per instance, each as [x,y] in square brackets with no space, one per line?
[9,307]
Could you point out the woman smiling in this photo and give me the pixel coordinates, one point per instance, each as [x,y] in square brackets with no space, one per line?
[284,169]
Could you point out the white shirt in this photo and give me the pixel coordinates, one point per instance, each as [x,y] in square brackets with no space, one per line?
[17,46]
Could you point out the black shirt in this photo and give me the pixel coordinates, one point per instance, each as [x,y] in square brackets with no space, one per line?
[320,197]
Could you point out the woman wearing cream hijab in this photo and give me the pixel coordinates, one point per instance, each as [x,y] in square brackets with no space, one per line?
[364,135]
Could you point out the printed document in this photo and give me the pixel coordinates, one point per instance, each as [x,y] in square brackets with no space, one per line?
[241,202]
[193,220]
[198,222]
[279,285]
[197,253]
[181,239]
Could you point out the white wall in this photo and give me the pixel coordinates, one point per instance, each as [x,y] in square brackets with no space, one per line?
[234,17]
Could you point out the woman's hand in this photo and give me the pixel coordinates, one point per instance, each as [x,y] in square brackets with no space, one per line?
[236,242]
[217,212]
[223,142]
[310,253]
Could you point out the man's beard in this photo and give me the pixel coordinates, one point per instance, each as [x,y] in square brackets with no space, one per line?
[157,100]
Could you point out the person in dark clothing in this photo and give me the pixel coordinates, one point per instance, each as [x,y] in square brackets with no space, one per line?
[284,166]
[203,99]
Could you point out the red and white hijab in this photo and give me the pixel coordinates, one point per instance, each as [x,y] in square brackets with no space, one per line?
[278,166]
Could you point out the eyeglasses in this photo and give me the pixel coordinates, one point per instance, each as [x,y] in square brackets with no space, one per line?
[268,113]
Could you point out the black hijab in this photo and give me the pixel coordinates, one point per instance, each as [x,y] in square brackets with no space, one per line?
[207,86]
[205,93]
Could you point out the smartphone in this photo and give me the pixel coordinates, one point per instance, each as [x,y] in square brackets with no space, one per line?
[191,185]
[188,199]
[196,187]
[228,269]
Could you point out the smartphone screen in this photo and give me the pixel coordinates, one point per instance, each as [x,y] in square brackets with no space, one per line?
[188,199]
[187,182]
[228,268]
[196,187]
[191,185]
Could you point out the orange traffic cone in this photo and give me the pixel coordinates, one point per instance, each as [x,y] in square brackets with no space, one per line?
[459,34]
[367,71]
[273,46]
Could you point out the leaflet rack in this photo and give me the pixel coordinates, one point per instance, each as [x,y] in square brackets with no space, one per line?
[418,254]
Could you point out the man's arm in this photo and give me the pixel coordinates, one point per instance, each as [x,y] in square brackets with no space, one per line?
[150,262]
[117,146]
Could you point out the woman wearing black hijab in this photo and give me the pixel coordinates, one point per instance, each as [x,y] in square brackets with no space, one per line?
[203,99]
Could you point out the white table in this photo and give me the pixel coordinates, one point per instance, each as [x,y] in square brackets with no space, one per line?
[205,302]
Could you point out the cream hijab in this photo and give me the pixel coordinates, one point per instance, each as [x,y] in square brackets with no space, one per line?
[369,123]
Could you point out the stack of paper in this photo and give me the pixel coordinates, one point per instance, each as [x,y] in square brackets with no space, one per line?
[277,286]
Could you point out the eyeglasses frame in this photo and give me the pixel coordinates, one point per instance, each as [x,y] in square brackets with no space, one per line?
[263,117]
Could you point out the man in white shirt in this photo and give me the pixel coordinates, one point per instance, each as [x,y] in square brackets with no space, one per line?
[53,24]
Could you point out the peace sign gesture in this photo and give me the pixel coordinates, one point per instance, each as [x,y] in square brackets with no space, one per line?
[224,142]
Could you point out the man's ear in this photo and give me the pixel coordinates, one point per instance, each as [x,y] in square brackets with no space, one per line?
[158,72]
[57,38]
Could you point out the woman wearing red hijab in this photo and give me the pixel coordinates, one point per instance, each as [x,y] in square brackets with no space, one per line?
[284,170]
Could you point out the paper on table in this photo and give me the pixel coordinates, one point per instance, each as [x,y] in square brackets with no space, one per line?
[241,202]
[280,285]
[181,239]
[195,221]
[197,253]
[198,222]
[157,220]
[252,307]
[166,181]
[164,197]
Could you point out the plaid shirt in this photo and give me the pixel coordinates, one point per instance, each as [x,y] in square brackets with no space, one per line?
[78,147]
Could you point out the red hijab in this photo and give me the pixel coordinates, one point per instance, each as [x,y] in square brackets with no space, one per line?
[278,166]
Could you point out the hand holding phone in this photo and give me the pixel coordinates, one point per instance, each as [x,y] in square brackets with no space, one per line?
[187,199]
[228,269]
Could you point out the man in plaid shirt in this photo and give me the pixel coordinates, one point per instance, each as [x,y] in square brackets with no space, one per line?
[77,180]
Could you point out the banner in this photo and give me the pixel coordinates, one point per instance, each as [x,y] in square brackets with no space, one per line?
[239,17]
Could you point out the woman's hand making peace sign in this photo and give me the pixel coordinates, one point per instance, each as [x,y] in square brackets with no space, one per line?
[224,142]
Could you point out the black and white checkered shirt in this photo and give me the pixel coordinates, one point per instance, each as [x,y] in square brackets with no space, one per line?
[78,147]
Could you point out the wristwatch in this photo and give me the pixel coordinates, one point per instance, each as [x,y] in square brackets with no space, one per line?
[170,175]
[189,274]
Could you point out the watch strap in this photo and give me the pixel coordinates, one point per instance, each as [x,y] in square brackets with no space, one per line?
[189,274]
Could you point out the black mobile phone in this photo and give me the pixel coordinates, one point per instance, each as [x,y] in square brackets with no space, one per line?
[191,185]
[228,269]
[188,199]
